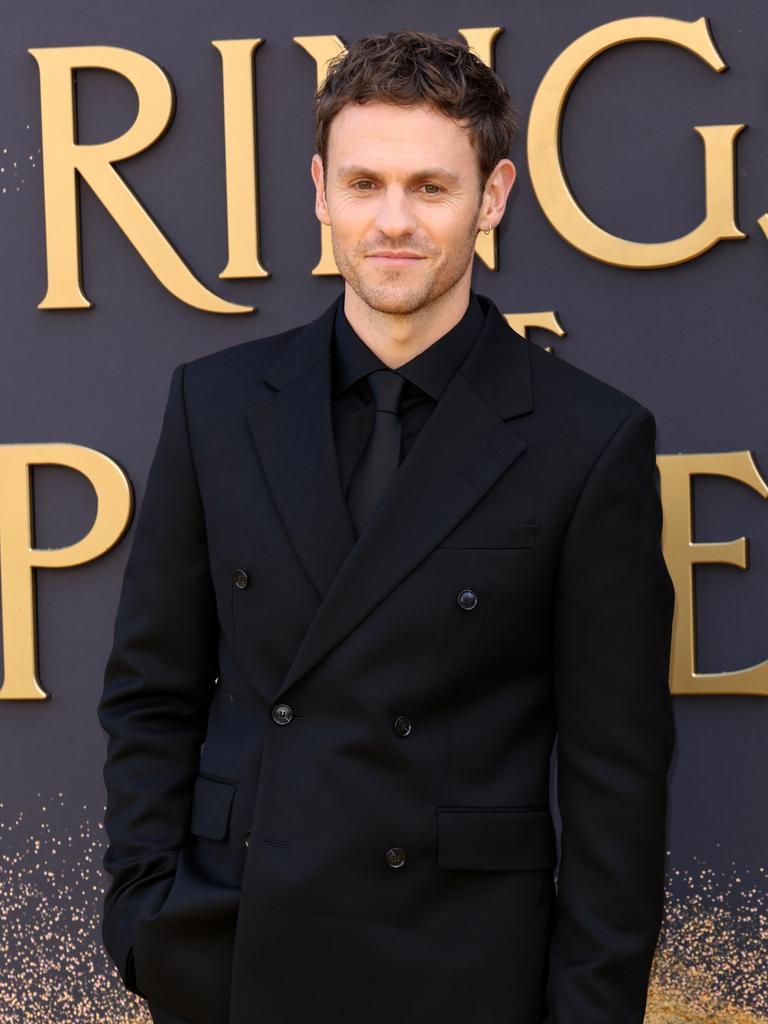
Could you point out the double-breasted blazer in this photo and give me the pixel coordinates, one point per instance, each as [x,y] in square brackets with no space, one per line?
[328,766]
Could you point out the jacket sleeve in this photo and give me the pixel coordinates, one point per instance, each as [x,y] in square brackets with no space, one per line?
[612,634]
[158,683]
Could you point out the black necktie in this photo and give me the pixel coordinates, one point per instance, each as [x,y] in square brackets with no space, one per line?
[381,457]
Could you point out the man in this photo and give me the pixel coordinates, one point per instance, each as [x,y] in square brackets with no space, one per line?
[382,561]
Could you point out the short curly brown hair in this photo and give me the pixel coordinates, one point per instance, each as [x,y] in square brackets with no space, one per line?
[411,68]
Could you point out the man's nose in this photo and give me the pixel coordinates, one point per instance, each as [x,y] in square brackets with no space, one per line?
[394,213]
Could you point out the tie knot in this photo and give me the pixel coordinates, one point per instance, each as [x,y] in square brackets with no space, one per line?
[386,386]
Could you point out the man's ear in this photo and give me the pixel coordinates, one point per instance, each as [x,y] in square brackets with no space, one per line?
[321,207]
[495,194]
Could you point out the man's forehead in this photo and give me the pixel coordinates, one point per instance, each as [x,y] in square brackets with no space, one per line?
[395,119]
[389,130]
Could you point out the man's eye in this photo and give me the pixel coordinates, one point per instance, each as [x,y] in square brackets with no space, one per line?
[432,190]
[363,186]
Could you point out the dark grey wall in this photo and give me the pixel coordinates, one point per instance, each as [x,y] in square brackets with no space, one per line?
[688,341]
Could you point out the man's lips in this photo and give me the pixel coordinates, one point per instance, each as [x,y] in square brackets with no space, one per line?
[394,257]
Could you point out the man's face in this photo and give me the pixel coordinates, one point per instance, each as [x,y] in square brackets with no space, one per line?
[402,196]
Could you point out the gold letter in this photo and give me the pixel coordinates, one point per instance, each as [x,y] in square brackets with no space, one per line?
[240,158]
[322,50]
[547,321]
[681,554]
[763,222]
[481,40]
[546,169]
[63,157]
[18,558]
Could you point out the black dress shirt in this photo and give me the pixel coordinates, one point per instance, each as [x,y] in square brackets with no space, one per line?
[427,376]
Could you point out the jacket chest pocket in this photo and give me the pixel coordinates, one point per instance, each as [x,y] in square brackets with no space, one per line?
[493,535]
[499,561]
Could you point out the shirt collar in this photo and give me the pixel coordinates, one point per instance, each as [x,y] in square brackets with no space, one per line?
[431,370]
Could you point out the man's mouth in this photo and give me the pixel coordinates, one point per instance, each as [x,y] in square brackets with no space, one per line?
[395,257]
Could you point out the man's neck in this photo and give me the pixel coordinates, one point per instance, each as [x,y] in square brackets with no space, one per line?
[397,338]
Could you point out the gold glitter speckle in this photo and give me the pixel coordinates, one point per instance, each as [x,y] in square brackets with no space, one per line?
[711,961]
[710,967]
[54,965]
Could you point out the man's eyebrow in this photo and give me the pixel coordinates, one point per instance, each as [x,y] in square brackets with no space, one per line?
[357,170]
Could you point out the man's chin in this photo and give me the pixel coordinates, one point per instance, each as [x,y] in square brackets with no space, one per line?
[393,307]
[393,301]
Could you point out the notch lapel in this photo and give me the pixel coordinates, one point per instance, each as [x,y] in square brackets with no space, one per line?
[460,452]
[292,428]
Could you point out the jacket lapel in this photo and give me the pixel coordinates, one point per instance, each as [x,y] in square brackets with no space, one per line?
[293,431]
[460,452]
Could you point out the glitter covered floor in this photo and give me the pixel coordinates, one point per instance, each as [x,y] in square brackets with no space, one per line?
[711,963]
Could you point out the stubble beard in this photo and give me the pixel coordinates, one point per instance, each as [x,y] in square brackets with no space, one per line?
[390,291]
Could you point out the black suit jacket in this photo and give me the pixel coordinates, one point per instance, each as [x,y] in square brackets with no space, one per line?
[328,760]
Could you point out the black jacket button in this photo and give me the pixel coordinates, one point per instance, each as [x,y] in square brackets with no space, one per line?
[467,600]
[396,857]
[282,714]
[240,578]
[402,725]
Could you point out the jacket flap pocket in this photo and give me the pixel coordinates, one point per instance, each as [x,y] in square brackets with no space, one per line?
[211,806]
[495,838]
[491,535]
